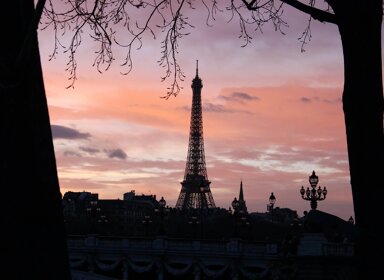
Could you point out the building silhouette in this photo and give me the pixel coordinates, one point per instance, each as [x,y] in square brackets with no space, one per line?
[86,213]
[195,191]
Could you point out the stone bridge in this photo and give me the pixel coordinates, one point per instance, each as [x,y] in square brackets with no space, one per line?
[96,257]
[176,257]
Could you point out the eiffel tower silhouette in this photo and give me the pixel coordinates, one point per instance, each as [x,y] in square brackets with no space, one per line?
[195,191]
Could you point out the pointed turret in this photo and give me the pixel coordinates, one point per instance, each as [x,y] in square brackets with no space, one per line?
[241,195]
[242,204]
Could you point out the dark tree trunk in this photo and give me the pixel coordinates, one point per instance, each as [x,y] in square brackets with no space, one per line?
[360,29]
[33,243]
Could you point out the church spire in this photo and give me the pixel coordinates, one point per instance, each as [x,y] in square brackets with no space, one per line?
[241,195]
[242,205]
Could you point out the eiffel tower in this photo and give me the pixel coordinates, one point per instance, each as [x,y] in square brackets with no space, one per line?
[195,191]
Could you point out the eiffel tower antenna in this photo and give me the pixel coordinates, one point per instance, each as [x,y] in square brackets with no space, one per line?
[195,191]
[197,68]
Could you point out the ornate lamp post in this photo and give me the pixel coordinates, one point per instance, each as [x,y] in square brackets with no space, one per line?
[93,211]
[313,195]
[235,205]
[162,203]
[161,211]
[194,222]
[245,227]
[146,222]
[351,220]
[272,200]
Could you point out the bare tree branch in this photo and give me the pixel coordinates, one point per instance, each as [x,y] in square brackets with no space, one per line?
[104,21]
[317,14]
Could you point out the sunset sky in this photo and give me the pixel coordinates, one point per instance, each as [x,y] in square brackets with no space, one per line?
[271,115]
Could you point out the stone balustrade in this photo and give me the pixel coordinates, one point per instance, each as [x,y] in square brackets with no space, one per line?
[171,256]
[216,259]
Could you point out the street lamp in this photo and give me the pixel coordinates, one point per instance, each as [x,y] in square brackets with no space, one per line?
[245,227]
[235,205]
[162,203]
[194,222]
[351,220]
[146,222]
[93,211]
[272,200]
[237,213]
[161,209]
[313,195]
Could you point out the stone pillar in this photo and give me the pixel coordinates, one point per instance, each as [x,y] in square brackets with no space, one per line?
[196,272]
[311,244]
[91,264]
[125,270]
[234,272]
[160,273]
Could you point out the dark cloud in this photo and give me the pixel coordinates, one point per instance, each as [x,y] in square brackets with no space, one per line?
[117,153]
[240,97]
[210,107]
[333,101]
[71,154]
[63,132]
[318,99]
[305,100]
[217,108]
[89,150]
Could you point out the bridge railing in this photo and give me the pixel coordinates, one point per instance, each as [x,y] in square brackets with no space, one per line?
[170,246]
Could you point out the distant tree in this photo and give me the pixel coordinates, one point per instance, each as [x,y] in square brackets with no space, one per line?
[29,176]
